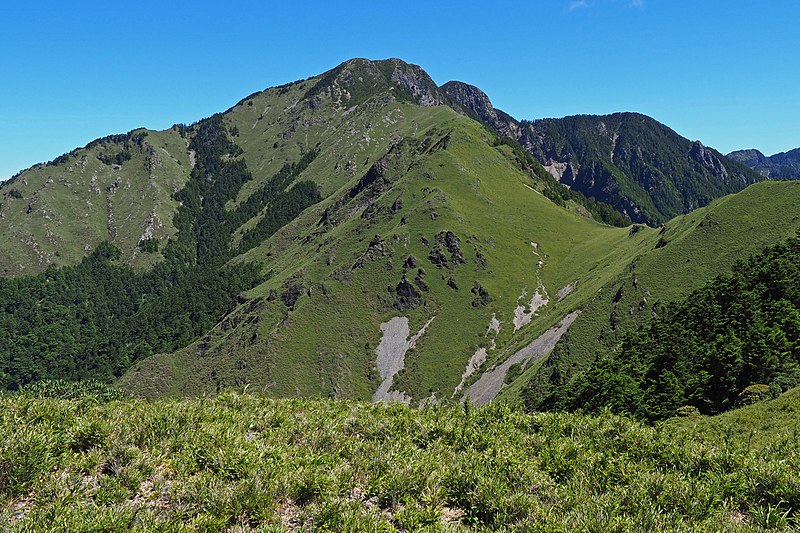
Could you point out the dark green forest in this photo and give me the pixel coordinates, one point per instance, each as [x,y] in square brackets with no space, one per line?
[95,319]
[735,340]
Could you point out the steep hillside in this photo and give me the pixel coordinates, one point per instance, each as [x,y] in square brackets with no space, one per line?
[121,188]
[444,239]
[118,188]
[636,164]
[734,340]
[784,165]
[361,234]
[335,189]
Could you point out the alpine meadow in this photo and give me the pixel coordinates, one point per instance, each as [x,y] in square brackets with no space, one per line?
[363,301]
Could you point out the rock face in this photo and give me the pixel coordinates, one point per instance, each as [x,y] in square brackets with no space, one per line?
[784,165]
[708,159]
[417,81]
[472,101]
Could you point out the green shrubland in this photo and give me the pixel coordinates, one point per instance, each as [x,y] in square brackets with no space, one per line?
[241,462]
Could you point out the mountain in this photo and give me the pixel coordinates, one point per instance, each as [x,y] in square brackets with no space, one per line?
[627,160]
[121,187]
[118,188]
[359,234]
[352,195]
[784,165]
[636,164]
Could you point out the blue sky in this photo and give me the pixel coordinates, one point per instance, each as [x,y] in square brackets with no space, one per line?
[724,72]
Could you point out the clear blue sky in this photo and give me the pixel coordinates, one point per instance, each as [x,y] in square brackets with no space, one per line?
[724,72]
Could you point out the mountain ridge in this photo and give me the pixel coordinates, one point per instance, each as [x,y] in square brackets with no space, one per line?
[645,192]
[783,165]
[381,240]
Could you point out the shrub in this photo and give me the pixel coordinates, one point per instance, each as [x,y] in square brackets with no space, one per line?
[754,393]
[74,390]
[688,411]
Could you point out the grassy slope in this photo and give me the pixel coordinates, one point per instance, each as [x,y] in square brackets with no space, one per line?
[700,245]
[77,204]
[761,425]
[247,462]
[326,345]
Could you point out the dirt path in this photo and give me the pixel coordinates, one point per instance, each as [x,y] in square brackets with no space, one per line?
[490,383]
[565,291]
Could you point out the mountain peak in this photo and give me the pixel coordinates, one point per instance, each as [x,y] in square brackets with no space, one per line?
[359,79]
[472,98]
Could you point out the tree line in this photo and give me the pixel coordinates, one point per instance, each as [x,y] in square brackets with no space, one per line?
[95,319]
[738,334]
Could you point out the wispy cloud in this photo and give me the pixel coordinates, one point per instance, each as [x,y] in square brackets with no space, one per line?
[578,4]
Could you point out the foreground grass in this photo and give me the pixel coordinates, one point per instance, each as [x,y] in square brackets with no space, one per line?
[243,462]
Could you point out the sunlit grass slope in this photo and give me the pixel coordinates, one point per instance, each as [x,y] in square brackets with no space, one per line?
[348,255]
[686,253]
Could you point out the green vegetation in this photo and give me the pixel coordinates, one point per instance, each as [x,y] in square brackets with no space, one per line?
[343,262]
[149,246]
[710,350]
[86,391]
[701,246]
[115,189]
[274,246]
[245,461]
[95,319]
[283,228]
[761,424]
[635,164]
[284,206]
[558,193]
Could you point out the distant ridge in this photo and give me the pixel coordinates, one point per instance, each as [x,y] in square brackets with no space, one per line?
[628,160]
[783,165]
